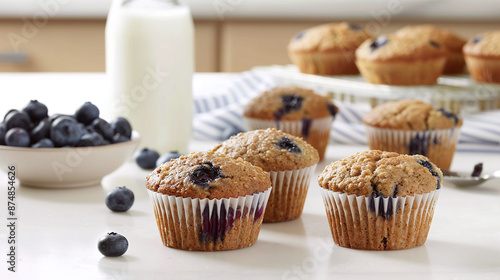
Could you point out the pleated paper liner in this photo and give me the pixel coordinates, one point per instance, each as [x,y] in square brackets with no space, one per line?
[316,132]
[379,223]
[438,145]
[287,198]
[209,224]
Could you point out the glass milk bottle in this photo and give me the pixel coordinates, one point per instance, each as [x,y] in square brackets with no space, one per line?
[149,63]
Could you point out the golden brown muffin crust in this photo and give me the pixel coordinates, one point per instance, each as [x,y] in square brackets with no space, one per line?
[381,173]
[238,177]
[329,37]
[438,34]
[411,115]
[484,45]
[394,48]
[266,105]
[261,148]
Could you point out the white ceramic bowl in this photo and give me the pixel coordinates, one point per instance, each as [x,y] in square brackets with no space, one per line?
[66,167]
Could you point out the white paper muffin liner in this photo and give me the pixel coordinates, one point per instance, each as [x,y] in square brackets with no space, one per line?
[438,145]
[287,198]
[318,134]
[379,223]
[209,224]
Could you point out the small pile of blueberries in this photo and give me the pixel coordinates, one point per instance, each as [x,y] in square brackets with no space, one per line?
[33,127]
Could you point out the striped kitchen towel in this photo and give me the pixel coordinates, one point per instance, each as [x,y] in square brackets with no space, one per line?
[221,108]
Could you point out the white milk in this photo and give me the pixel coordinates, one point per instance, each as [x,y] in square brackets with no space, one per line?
[149,62]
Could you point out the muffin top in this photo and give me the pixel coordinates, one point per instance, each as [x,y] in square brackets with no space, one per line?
[381,174]
[342,36]
[289,103]
[411,115]
[270,149]
[484,45]
[208,175]
[391,47]
[443,36]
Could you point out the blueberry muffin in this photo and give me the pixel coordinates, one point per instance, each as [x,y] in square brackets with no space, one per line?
[482,55]
[378,200]
[294,110]
[289,160]
[208,201]
[393,60]
[452,42]
[327,49]
[414,127]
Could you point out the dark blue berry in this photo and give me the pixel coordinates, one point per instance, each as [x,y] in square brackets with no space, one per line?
[418,145]
[90,139]
[300,35]
[167,157]
[54,117]
[146,158]
[204,174]
[120,199]
[122,126]
[435,44]
[477,39]
[65,131]
[332,109]
[306,127]
[3,131]
[112,245]
[8,112]
[429,166]
[291,102]
[43,143]
[104,128]
[356,27]
[478,168]
[449,115]
[379,42]
[40,131]
[87,113]
[288,144]
[36,111]
[229,131]
[17,119]
[119,138]
[17,137]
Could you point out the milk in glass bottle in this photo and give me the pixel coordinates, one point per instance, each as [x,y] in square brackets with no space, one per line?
[149,62]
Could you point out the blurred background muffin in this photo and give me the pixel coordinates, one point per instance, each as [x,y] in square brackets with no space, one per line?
[482,54]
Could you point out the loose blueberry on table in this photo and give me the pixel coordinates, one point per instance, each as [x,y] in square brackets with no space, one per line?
[167,157]
[146,158]
[112,244]
[120,199]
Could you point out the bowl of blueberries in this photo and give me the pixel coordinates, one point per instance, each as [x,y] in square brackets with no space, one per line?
[60,150]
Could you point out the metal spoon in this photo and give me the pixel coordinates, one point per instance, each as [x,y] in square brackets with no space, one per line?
[465,180]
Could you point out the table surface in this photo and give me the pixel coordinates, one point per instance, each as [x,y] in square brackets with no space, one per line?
[58,229]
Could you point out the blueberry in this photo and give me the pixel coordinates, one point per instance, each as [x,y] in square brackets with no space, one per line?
[87,113]
[379,42]
[306,127]
[291,102]
[449,115]
[103,127]
[17,119]
[65,131]
[54,117]
[122,126]
[90,139]
[477,39]
[435,44]
[300,35]
[3,131]
[8,112]
[204,174]
[40,131]
[119,138]
[43,143]
[112,244]
[418,145]
[17,137]
[429,166]
[146,158]
[356,27]
[120,199]
[36,111]
[478,168]
[167,157]
[228,132]
[288,144]
[332,109]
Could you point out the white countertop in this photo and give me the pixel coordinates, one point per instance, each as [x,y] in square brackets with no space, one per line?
[481,10]
[58,229]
